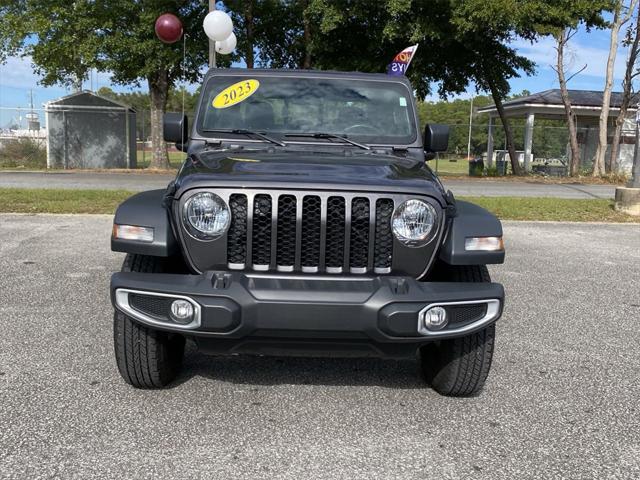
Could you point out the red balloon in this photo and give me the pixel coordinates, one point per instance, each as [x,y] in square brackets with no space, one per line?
[168,28]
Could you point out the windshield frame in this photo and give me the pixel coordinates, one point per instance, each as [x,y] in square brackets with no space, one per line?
[199,132]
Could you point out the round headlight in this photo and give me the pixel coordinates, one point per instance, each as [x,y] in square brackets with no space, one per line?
[413,221]
[206,215]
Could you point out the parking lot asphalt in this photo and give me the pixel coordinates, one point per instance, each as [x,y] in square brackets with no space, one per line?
[148,181]
[561,400]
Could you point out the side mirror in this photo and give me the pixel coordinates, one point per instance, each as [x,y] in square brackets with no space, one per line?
[176,127]
[436,138]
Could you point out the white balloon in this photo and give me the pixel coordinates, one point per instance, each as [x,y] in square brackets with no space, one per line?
[228,45]
[217,25]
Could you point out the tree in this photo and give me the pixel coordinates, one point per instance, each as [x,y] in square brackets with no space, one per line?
[66,39]
[530,20]
[58,36]
[621,15]
[467,41]
[632,41]
[140,102]
[561,42]
[258,25]
[132,53]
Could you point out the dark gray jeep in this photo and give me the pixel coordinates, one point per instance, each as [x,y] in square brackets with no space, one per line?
[306,221]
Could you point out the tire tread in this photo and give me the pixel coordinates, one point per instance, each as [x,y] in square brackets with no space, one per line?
[146,358]
[460,366]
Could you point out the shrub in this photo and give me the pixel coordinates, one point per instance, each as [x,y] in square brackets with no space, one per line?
[23,152]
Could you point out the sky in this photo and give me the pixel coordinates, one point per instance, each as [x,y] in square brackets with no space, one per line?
[17,77]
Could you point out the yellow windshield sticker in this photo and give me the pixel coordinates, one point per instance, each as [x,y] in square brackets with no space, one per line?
[236,93]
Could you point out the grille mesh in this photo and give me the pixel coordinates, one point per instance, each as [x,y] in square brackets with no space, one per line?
[359,248]
[159,307]
[237,237]
[286,250]
[335,232]
[261,238]
[466,313]
[311,218]
[384,239]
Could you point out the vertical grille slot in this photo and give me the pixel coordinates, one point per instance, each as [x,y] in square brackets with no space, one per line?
[359,246]
[237,236]
[311,218]
[286,231]
[383,249]
[335,233]
[261,237]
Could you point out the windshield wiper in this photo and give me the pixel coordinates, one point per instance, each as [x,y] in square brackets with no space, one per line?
[242,131]
[329,136]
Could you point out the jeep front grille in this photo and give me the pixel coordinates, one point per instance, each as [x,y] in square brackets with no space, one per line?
[332,233]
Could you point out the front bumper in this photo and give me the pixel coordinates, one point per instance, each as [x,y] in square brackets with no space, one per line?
[276,313]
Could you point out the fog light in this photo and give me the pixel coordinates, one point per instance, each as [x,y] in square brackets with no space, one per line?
[435,318]
[181,311]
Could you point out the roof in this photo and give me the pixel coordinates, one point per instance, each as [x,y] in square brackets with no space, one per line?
[85,99]
[553,97]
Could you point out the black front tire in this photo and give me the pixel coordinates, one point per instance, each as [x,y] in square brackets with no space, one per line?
[146,358]
[459,367]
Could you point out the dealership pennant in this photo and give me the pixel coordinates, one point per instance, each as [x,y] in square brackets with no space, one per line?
[401,61]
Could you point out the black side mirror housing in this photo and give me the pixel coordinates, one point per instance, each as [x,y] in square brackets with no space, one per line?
[436,138]
[176,128]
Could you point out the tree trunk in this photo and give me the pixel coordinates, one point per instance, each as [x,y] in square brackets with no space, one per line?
[598,161]
[511,148]
[307,40]
[612,165]
[249,26]
[574,165]
[159,91]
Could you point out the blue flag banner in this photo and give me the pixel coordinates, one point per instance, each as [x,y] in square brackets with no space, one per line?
[401,61]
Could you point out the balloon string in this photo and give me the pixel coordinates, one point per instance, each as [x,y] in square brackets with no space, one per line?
[184,76]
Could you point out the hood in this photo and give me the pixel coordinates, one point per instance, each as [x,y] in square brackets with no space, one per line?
[299,169]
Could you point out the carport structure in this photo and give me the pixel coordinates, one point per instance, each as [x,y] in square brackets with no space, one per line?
[587,105]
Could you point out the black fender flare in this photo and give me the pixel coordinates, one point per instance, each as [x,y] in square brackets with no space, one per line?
[146,209]
[470,221]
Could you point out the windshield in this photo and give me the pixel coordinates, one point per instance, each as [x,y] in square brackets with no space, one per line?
[377,112]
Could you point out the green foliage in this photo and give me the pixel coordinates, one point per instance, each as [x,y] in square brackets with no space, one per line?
[265,31]
[141,102]
[66,39]
[131,50]
[549,136]
[58,36]
[23,152]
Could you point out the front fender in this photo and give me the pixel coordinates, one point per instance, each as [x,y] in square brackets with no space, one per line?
[146,209]
[470,221]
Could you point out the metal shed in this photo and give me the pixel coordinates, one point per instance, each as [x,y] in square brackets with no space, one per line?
[85,130]
[587,105]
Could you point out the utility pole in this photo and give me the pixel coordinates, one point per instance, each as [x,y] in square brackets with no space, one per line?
[212,44]
[635,169]
[470,125]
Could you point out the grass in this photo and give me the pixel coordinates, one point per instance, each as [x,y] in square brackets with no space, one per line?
[175,159]
[553,209]
[20,200]
[443,166]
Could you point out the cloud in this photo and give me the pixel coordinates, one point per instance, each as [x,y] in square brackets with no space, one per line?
[577,55]
[18,73]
